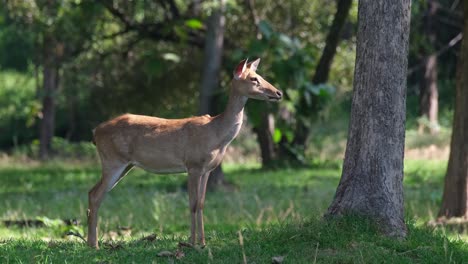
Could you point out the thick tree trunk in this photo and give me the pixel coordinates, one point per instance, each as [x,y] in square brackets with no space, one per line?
[211,75]
[455,198]
[372,179]
[322,72]
[428,92]
[47,124]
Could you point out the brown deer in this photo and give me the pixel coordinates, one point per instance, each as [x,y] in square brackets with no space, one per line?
[195,145]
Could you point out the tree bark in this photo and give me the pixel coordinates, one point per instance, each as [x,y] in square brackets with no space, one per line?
[372,179]
[266,127]
[428,92]
[455,197]
[211,75]
[429,95]
[322,71]
[265,138]
[49,91]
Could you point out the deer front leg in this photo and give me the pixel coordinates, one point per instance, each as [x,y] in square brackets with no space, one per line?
[193,189]
[95,197]
[201,205]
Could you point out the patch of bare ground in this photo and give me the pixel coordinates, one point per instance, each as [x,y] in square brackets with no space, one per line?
[431,152]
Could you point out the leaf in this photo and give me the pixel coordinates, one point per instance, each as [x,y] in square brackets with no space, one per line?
[194,23]
[277,260]
[287,41]
[307,98]
[277,135]
[171,57]
[257,47]
[265,29]
[314,89]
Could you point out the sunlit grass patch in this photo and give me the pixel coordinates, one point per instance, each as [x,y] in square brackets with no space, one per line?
[278,213]
[346,240]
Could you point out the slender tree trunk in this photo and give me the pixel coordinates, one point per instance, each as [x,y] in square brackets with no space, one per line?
[372,179]
[211,76]
[195,7]
[265,138]
[455,197]
[428,92]
[322,72]
[429,95]
[265,129]
[49,91]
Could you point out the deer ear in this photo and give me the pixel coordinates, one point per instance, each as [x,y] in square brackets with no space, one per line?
[240,68]
[253,65]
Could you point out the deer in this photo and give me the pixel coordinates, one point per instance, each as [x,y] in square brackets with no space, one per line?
[195,145]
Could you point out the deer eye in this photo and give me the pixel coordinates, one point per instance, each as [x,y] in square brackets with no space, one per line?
[254,79]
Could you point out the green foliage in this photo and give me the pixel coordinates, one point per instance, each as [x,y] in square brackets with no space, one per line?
[18,108]
[108,68]
[17,48]
[63,150]
[289,64]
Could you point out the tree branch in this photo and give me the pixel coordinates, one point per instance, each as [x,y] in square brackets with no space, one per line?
[154,31]
[173,8]
[117,13]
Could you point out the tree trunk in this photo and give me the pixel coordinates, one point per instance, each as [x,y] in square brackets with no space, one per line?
[266,127]
[372,179]
[428,93]
[49,91]
[265,138]
[455,197]
[302,131]
[211,75]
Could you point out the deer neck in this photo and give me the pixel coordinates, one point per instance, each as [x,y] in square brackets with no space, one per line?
[230,121]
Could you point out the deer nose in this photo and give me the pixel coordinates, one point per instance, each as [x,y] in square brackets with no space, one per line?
[279,94]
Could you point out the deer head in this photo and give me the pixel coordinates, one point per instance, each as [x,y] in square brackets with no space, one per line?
[250,84]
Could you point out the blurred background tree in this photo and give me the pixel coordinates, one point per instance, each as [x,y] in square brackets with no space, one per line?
[66,66]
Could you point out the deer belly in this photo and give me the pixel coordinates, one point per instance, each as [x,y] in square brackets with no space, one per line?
[161,164]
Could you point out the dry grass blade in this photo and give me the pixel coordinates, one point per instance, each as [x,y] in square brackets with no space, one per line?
[316,252]
[113,246]
[179,254]
[71,233]
[241,242]
[184,244]
[210,255]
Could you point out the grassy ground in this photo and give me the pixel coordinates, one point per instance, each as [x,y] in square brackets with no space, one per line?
[272,214]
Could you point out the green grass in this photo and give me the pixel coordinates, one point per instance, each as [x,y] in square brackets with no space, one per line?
[278,213]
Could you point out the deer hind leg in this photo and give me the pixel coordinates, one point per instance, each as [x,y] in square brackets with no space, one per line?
[193,190]
[111,174]
[201,205]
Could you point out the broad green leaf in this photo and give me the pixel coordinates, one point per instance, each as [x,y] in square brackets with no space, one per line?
[265,29]
[277,135]
[194,23]
[171,57]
